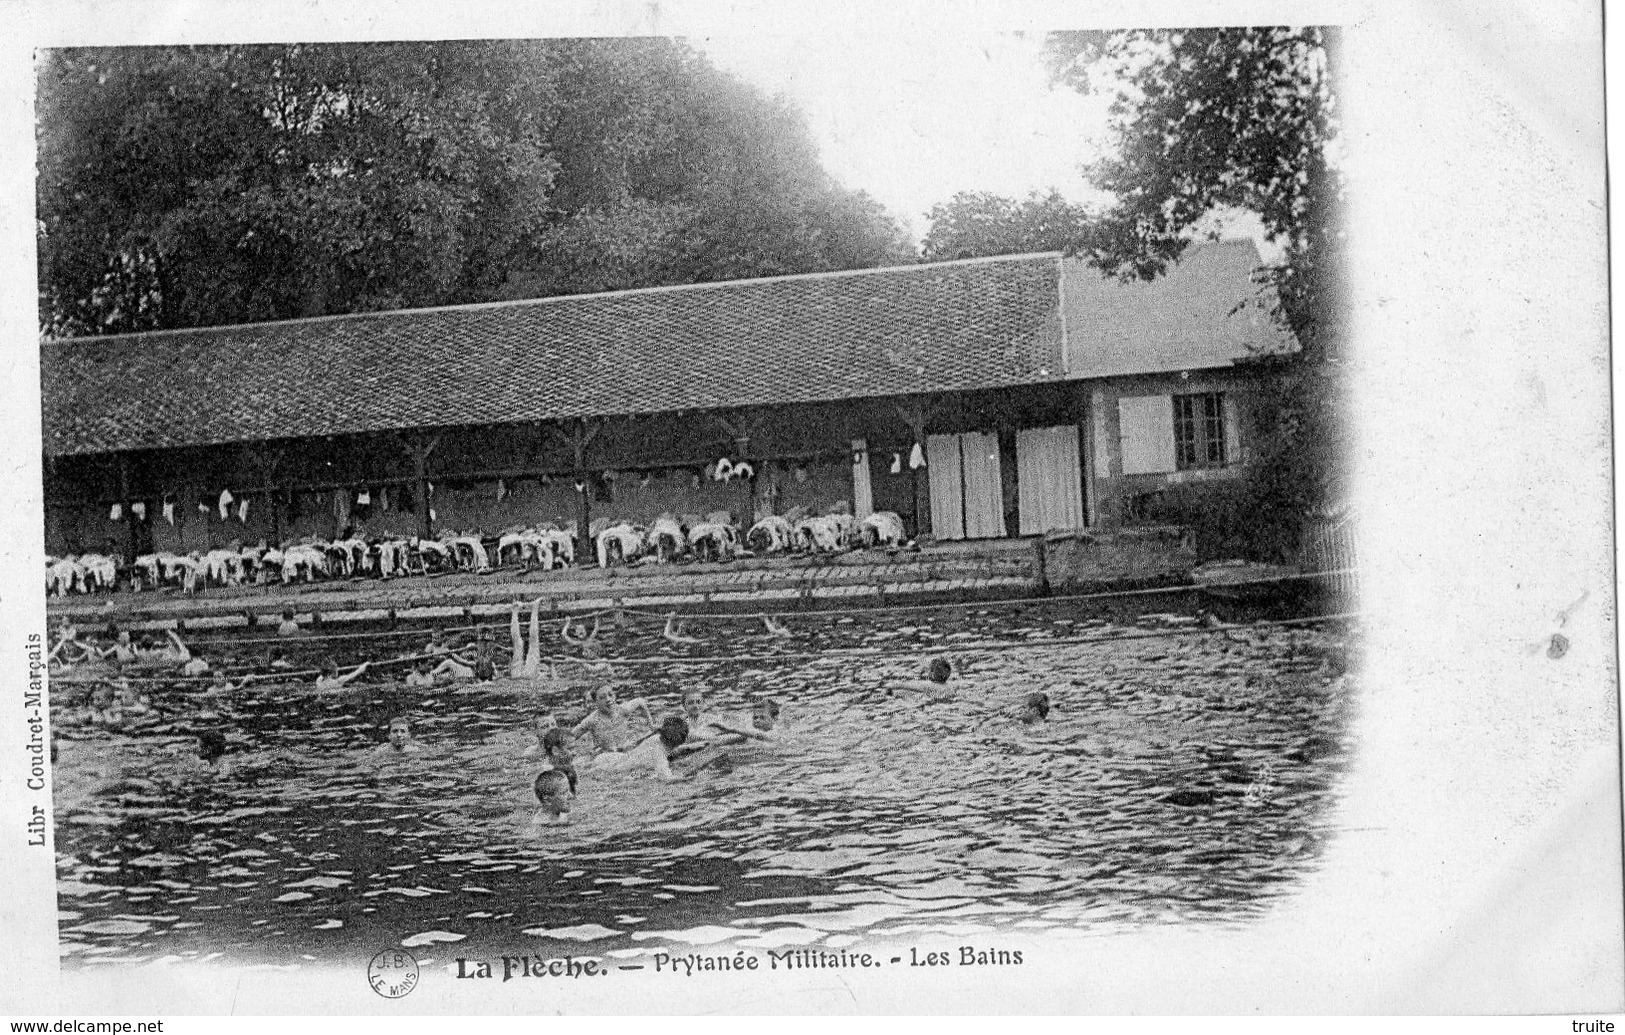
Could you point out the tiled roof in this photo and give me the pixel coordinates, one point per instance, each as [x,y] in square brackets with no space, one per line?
[935,327]
[1204,311]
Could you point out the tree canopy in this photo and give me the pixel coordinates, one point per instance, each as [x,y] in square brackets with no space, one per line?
[1205,119]
[973,224]
[191,186]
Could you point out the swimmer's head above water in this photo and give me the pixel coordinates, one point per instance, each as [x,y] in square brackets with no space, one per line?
[603,697]
[673,733]
[939,670]
[1035,707]
[551,789]
[400,732]
[211,746]
[693,703]
[764,713]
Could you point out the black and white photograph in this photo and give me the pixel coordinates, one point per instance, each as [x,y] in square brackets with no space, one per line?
[818,521]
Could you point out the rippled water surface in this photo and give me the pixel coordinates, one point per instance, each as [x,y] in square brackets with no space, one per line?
[1180,778]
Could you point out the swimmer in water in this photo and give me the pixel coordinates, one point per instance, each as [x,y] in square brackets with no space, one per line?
[219,686]
[102,709]
[133,702]
[609,724]
[525,663]
[330,679]
[211,752]
[1035,708]
[419,676]
[545,722]
[552,789]
[652,755]
[557,757]
[289,626]
[674,630]
[122,651]
[400,740]
[933,677]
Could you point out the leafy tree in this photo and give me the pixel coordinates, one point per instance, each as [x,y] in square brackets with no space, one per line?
[190,186]
[1243,118]
[973,224]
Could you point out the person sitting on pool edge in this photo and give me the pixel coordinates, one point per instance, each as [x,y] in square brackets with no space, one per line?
[610,724]
[1035,708]
[652,754]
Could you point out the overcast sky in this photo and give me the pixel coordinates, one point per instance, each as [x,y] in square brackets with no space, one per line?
[913,120]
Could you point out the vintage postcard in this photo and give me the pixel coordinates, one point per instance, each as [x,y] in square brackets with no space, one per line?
[1036,509]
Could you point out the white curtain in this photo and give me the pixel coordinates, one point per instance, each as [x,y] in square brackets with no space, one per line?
[984,488]
[967,493]
[1049,487]
[947,486]
[863,497]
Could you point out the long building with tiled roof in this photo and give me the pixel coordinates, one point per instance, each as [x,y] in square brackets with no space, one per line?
[793,370]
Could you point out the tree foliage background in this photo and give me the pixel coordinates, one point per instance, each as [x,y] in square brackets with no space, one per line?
[191,186]
[1204,119]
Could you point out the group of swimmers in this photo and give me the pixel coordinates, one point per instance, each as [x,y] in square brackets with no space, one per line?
[612,735]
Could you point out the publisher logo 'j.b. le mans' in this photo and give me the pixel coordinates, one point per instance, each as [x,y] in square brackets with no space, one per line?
[393,973]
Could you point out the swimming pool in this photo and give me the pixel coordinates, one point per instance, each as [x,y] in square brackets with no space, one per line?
[1180,778]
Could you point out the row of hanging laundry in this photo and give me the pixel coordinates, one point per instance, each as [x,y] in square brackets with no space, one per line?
[224,503]
[916,460]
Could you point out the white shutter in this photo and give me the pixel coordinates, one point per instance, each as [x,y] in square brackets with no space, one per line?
[1232,429]
[1146,425]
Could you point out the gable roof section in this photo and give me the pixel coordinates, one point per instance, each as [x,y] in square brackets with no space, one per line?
[813,338]
[1186,319]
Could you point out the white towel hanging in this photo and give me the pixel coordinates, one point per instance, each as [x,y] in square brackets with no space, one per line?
[169,512]
[116,513]
[225,501]
[139,509]
[432,516]
[202,507]
[242,510]
[363,498]
[502,489]
[897,463]
[916,458]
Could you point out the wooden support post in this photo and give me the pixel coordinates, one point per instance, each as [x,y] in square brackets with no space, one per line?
[129,511]
[915,413]
[420,449]
[266,463]
[581,436]
[746,426]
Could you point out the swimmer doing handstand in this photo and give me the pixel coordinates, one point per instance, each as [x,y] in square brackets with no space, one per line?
[525,663]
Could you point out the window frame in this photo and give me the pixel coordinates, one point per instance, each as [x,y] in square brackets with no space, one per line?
[1201,439]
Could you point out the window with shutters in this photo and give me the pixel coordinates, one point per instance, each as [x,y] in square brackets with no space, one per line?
[1199,433]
